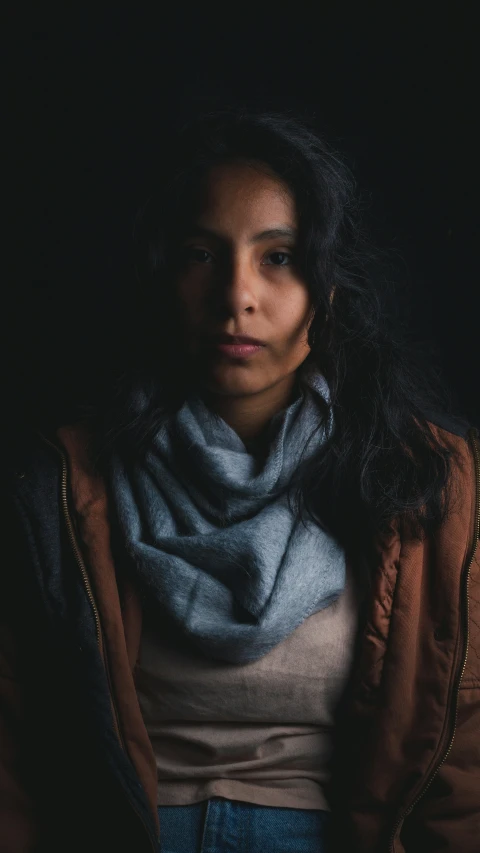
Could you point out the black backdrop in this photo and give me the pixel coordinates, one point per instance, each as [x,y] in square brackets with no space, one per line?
[93,92]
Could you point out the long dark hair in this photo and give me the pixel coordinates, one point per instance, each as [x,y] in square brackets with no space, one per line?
[383,461]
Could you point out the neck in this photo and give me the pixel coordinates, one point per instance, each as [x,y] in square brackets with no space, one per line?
[249,415]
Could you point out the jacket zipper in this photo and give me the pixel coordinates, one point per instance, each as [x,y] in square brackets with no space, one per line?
[88,588]
[91,598]
[472,434]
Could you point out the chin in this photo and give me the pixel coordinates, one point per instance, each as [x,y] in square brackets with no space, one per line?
[233,389]
[239,383]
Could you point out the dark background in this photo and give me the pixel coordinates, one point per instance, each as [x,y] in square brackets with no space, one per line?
[92,93]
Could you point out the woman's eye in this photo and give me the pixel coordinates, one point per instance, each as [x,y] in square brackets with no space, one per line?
[198,256]
[279,259]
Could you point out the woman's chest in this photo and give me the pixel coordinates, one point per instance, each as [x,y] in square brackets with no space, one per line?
[299,681]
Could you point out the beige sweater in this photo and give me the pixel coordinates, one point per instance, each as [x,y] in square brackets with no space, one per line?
[259,732]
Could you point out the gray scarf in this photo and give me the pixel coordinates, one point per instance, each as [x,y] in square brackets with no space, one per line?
[213,538]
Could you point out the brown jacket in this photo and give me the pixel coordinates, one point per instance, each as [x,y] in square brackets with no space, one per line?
[406,775]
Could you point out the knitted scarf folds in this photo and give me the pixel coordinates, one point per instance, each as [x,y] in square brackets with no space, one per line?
[211,533]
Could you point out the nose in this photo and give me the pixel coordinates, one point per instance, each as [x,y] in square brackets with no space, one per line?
[238,289]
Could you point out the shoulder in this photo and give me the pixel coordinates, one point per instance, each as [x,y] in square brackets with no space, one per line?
[449,423]
[461,438]
[27,455]
[28,452]
[33,464]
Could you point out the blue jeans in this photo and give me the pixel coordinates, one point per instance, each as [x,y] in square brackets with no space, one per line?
[219,825]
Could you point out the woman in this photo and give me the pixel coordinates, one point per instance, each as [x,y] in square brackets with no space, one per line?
[242,612]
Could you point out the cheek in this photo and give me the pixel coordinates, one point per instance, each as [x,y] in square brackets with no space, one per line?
[191,297]
[192,312]
[195,283]
[298,315]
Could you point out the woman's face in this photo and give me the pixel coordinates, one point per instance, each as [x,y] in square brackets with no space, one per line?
[239,277]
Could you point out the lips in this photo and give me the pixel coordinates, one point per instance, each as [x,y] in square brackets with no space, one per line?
[237,351]
[238,340]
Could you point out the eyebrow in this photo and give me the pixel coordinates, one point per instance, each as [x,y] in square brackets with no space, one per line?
[268,234]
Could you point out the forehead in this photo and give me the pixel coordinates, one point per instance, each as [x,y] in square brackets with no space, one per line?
[247,196]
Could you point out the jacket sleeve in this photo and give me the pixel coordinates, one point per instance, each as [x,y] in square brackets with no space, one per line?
[447,818]
[17,819]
